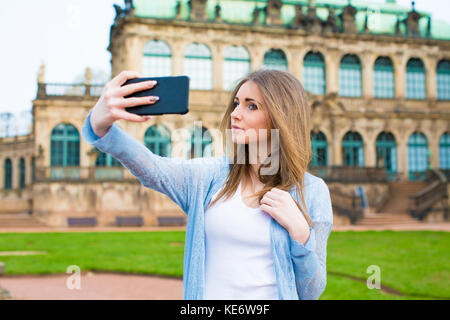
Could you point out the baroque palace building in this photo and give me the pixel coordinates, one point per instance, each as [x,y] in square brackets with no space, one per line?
[377,76]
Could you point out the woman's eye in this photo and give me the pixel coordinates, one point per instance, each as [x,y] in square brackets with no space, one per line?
[252,106]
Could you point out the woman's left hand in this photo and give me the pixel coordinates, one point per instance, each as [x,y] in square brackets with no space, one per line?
[280,205]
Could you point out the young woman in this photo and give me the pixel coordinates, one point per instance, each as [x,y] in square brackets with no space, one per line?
[249,234]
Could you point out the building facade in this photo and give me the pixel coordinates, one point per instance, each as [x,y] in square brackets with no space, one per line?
[377,77]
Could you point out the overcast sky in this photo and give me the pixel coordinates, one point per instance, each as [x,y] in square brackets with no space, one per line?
[68,36]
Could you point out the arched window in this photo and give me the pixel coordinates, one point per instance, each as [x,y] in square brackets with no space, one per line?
[157,140]
[415,79]
[106,160]
[383,78]
[386,153]
[198,66]
[320,149]
[443,80]
[350,84]
[64,152]
[314,73]
[65,146]
[236,66]
[22,173]
[275,59]
[157,59]
[201,143]
[107,167]
[353,150]
[444,151]
[8,174]
[417,156]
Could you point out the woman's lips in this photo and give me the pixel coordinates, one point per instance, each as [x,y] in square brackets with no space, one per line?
[235,128]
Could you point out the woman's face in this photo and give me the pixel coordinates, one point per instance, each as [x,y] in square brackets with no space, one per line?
[249,115]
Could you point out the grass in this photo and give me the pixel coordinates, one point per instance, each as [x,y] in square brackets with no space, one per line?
[416,263]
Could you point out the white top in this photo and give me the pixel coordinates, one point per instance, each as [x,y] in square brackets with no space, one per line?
[239,261]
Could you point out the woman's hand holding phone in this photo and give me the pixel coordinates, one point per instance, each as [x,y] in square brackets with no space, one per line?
[111,104]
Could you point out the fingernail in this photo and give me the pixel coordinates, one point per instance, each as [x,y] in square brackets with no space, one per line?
[154,82]
[156,98]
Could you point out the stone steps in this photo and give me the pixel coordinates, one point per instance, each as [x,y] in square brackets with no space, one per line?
[379,219]
[19,220]
[399,196]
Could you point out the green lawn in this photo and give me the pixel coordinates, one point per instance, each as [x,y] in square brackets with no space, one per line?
[415,264]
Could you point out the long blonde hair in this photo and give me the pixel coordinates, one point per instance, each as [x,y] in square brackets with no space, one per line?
[285,101]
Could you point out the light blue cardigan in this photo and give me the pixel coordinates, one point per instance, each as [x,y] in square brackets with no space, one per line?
[300,269]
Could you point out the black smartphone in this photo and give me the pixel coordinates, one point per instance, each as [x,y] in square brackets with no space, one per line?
[173,93]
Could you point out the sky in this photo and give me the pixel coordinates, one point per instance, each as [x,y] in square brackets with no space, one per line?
[70,35]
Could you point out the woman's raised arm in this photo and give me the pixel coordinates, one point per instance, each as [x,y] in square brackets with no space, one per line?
[176,178]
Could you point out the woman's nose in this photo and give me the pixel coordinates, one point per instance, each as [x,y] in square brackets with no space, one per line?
[236,114]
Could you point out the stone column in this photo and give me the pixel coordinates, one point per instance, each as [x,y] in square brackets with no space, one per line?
[134,47]
[367,74]
[369,152]
[28,177]
[217,60]
[433,144]
[332,71]
[15,172]
[84,149]
[431,81]
[295,63]
[337,144]
[332,146]
[402,149]
[257,58]
[2,173]
[177,58]
[400,76]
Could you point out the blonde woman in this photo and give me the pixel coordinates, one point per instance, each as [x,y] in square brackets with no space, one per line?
[249,234]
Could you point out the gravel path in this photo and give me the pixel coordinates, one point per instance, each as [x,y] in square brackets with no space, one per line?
[93,286]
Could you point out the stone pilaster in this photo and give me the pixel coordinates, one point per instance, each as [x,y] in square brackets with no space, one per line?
[15,172]
[134,50]
[28,177]
[177,58]
[402,155]
[257,58]
[400,76]
[217,60]
[433,144]
[332,69]
[2,173]
[367,74]
[431,81]
[295,63]
[369,152]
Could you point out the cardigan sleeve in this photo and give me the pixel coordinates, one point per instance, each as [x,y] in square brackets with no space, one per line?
[309,260]
[177,178]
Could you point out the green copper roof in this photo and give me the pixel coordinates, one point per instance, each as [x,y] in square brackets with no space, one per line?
[382,16]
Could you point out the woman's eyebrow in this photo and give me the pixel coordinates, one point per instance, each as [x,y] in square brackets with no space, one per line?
[246,99]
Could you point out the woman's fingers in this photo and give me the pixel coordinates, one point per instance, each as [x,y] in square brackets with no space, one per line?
[122,77]
[271,196]
[135,87]
[137,101]
[122,114]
